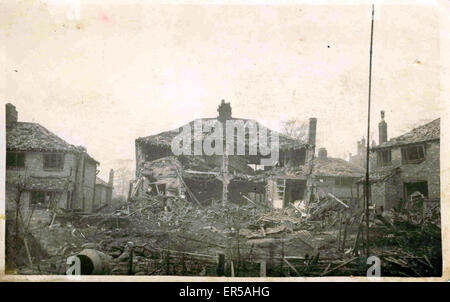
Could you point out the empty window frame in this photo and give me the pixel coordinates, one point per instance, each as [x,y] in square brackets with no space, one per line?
[384,157]
[15,160]
[53,161]
[413,154]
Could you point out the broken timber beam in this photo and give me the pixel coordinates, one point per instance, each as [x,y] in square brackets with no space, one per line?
[338,200]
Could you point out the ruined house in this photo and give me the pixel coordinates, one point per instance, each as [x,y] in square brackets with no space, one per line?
[405,165]
[199,178]
[47,170]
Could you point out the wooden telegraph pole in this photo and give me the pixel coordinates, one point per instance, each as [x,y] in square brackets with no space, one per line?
[366,184]
[224,115]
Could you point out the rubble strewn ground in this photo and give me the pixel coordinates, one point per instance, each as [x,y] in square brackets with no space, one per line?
[160,235]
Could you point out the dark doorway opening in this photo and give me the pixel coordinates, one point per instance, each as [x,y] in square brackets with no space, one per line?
[412,187]
[295,190]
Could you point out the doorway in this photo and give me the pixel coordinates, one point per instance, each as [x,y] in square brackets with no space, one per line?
[412,187]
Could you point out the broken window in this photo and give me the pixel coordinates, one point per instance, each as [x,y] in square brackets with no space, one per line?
[42,198]
[384,157]
[343,181]
[413,154]
[54,161]
[15,160]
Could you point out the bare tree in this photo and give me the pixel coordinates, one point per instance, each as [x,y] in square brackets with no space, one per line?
[294,128]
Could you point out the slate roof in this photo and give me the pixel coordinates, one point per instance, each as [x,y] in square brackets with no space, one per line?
[24,136]
[424,133]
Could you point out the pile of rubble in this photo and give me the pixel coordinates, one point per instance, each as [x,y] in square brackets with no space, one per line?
[169,235]
[408,241]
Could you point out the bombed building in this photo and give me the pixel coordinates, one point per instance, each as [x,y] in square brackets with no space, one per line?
[294,175]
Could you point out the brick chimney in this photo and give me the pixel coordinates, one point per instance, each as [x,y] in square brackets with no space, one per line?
[11,115]
[323,153]
[224,111]
[111,178]
[312,131]
[382,130]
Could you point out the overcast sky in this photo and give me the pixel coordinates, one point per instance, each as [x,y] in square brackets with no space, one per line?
[119,72]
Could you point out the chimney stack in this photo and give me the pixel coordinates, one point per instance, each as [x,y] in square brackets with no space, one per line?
[11,115]
[382,130]
[224,111]
[323,153]
[111,178]
[312,131]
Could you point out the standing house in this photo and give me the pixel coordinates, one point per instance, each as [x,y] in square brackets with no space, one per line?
[160,171]
[406,164]
[52,172]
[104,190]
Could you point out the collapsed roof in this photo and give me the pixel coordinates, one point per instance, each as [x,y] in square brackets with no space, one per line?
[321,167]
[164,139]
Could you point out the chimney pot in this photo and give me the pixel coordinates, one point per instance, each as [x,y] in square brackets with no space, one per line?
[382,130]
[322,153]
